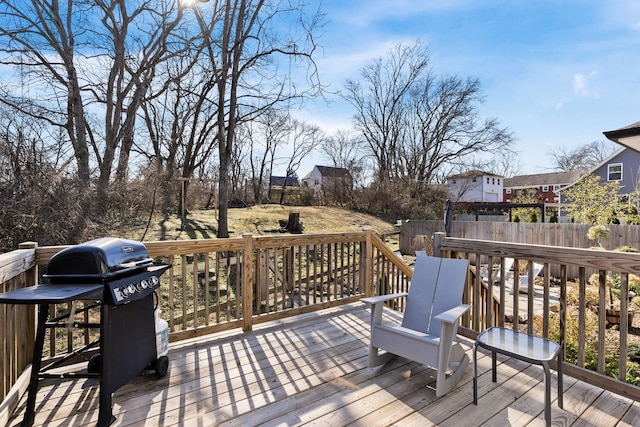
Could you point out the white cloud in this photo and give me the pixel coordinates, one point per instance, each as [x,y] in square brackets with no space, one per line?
[583,85]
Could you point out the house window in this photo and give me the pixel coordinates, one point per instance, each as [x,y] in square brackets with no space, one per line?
[474,179]
[453,181]
[498,181]
[487,180]
[493,181]
[545,188]
[614,172]
[556,187]
[508,191]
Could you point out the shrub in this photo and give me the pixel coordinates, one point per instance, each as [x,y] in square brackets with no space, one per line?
[626,249]
[598,232]
[612,347]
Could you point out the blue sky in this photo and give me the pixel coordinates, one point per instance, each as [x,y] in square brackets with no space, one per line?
[557,73]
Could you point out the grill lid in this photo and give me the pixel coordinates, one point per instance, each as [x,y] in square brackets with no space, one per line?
[97,260]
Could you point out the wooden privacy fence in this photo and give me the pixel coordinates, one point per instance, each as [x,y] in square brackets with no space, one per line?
[531,233]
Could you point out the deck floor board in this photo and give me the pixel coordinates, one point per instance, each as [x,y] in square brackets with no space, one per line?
[312,369]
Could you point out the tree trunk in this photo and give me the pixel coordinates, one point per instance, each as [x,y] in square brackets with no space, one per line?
[223,198]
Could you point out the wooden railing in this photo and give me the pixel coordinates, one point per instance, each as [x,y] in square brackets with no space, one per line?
[219,284]
[565,308]
[215,285]
[17,330]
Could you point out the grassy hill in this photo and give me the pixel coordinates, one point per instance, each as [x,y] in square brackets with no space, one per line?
[260,220]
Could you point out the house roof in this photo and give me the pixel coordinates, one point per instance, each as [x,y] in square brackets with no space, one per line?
[628,136]
[541,179]
[609,159]
[330,171]
[473,173]
[334,172]
[292,181]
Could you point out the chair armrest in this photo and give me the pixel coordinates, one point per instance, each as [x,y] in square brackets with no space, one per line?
[383,298]
[453,314]
[377,305]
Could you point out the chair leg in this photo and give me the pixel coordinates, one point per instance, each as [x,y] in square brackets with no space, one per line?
[447,382]
[376,358]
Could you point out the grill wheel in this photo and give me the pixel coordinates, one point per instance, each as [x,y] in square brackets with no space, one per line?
[162,366]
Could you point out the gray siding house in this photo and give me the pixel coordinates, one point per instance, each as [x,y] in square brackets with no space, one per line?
[622,167]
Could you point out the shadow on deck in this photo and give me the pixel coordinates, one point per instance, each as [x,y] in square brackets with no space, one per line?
[313,369]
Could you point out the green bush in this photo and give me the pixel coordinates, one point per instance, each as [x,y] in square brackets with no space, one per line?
[626,249]
[612,346]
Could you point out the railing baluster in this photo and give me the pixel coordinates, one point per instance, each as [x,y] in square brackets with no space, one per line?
[582,297]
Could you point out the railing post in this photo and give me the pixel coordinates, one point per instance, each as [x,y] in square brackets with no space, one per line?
[247,283]
[32,274]
[436,243]
[31,278]
[367,262]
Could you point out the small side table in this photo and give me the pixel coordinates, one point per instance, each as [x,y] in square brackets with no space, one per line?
[528,348]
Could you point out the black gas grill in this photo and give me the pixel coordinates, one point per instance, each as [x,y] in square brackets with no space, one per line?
[120,278]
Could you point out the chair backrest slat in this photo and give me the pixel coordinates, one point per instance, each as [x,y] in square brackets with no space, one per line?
[436,286]
[449,289]
[421,293]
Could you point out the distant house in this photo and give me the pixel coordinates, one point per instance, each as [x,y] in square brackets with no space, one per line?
[546,186]
[277,182]
[475,186]
[326,176]
[622,167]
[329,183]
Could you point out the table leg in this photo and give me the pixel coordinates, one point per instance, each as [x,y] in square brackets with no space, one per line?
[547,393]
[475,374]
[560,385]
[494,375]
[36,363]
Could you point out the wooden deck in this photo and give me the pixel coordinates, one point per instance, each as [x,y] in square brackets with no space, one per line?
[312,369]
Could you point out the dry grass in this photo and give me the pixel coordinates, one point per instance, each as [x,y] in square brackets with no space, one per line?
[260,220]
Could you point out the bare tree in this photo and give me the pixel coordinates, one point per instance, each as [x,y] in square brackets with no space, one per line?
[304,137]
[505,162]
[346,150]
[38,198]
[263,136]
[89,64]
[246,52]
[179,115]
[585,157]
[415,123]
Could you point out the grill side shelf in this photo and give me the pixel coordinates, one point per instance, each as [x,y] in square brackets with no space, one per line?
[52,294]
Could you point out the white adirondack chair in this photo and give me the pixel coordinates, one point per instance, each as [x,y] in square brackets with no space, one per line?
[523,284]
[430,322]
[508,264]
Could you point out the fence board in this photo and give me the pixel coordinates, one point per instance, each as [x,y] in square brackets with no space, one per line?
[554,234]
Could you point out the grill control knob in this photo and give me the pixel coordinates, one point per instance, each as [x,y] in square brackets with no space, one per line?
[153,281]
[131,289]
[124,291]
[144,284]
